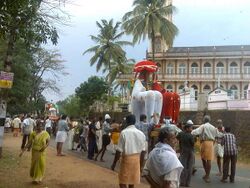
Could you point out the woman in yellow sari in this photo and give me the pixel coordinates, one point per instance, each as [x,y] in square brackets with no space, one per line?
[38,141]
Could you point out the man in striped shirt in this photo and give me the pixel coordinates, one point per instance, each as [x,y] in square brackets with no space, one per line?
[230,155]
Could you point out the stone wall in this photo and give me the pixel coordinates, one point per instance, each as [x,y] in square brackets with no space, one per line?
[239,121]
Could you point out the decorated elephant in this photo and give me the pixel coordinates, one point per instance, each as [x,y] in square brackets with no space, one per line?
[151,97]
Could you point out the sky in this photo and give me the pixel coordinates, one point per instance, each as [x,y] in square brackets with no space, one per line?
[200,23]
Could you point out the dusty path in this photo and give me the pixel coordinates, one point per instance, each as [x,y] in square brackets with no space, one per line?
[63,172]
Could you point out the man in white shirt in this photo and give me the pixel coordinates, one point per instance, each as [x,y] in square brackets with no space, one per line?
[163,168]
[28,125]
[16,123]
[207,133]
[131,146]
[106,130]
[48,126]
[7,124]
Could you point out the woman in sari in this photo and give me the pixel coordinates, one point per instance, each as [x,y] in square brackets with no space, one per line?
[38,141]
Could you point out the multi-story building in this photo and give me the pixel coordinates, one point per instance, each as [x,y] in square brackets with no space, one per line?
[201,67]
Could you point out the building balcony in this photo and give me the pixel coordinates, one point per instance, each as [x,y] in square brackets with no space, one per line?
[194,77]
[204,77]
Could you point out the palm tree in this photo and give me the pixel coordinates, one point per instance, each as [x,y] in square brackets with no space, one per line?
[118,68]
[149,18]
[124,67]
[109,47]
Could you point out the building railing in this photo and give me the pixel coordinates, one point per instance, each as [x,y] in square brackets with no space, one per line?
[198,54]
[201,77]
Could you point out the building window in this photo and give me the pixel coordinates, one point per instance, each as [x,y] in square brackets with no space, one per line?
[247,68]
[233,69]
[234,91]
[206,88]
[219,68]
[170,68]
[245,92]
[180,88]
[195,91]
[170,88]
[207,68]
[182,68]
[194,68]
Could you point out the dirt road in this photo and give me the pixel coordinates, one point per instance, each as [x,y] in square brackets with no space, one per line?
[63,172]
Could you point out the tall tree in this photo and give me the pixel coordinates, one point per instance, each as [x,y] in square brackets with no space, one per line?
[109,46]
[90,91]
[46,68]
[70,106]
[118,68]
[23,19]
[149,18]
[37,73]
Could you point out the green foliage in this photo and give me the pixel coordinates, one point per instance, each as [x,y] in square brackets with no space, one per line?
[17,96]
[90,91]
[23,19]
[24,26]
[29,67]
[147,19]
[117,68]
[70,106]
[112,99]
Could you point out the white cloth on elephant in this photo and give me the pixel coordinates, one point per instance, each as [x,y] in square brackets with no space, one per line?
[145,102]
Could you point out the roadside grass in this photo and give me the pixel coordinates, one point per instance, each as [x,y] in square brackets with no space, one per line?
[9,160]
[10,165]
[244,154]
[244,159]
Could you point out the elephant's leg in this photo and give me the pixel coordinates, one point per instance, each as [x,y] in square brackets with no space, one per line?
[149,104]
[138,107]
[158,103]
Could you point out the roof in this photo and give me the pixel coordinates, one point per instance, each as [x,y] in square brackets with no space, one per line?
[216,89]
[208,51]
[229,48]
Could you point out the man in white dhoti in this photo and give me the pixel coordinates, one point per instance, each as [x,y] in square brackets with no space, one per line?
[131,147]
[98,132]
[218,148]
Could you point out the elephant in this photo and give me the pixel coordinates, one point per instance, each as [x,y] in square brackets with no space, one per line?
[145,102]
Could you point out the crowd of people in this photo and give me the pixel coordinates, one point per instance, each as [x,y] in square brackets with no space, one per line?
[167,162]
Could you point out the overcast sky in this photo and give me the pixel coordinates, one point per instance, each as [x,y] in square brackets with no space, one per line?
[200,23]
